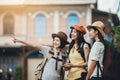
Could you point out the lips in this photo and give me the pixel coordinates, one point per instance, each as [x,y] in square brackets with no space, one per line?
[55,44]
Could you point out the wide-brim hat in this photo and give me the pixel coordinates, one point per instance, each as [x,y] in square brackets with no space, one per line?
[79,28]
[61,35]
[99,26]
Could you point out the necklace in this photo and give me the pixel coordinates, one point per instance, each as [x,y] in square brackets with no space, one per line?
[74,48]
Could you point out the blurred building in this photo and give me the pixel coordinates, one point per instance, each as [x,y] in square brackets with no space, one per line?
[35,21]
[110,20]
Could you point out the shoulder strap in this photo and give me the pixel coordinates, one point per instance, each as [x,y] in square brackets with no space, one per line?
[50,55]
[82,51]
[99,68]
[64,58]
[64,55]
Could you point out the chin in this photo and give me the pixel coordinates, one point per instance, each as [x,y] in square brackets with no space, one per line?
[73,38]
[55,46]
[90,36]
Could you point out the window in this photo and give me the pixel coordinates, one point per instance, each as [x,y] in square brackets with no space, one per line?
[40,24]
[71,20]
[8,24]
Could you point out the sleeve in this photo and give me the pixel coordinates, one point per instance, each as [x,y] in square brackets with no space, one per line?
[95,52]
[86,46]
[44,50]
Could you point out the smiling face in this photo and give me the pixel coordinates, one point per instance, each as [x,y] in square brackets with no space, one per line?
[74,34]
[56,42]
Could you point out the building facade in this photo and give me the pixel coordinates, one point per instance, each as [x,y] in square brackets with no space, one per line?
[35,21]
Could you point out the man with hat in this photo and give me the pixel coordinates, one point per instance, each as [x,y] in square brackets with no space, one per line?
[96,31]
[53,65]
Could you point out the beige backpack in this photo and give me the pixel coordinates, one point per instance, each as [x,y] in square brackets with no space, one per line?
[40,67]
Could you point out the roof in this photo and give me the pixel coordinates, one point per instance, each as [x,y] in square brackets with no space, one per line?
[46,2]
[114,17]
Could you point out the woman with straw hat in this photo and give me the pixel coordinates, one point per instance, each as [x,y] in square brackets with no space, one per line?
[97,51]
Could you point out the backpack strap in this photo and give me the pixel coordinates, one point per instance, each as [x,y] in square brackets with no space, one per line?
[64,58]
[50,55]
[64,55]
[82,51]
[43,63]
[99,68]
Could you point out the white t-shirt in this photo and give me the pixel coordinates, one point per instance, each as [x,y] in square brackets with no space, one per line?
[96,53]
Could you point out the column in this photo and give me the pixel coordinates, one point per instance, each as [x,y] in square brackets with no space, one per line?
[88,16]
[24,24]
[56,21]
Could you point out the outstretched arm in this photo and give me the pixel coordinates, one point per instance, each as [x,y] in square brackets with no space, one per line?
[36,47]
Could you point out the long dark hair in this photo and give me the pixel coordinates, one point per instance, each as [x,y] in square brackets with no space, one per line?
[80,40]
[102,40]
[62,42]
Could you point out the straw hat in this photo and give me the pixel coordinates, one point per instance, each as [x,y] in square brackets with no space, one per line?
[99,26]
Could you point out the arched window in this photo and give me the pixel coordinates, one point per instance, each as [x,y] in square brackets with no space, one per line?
[71,20]
[40,24]
[8,24]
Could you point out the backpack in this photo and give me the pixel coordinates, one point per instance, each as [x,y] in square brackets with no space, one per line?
[106,64]
[111,67]
[107,60]
[40,68]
